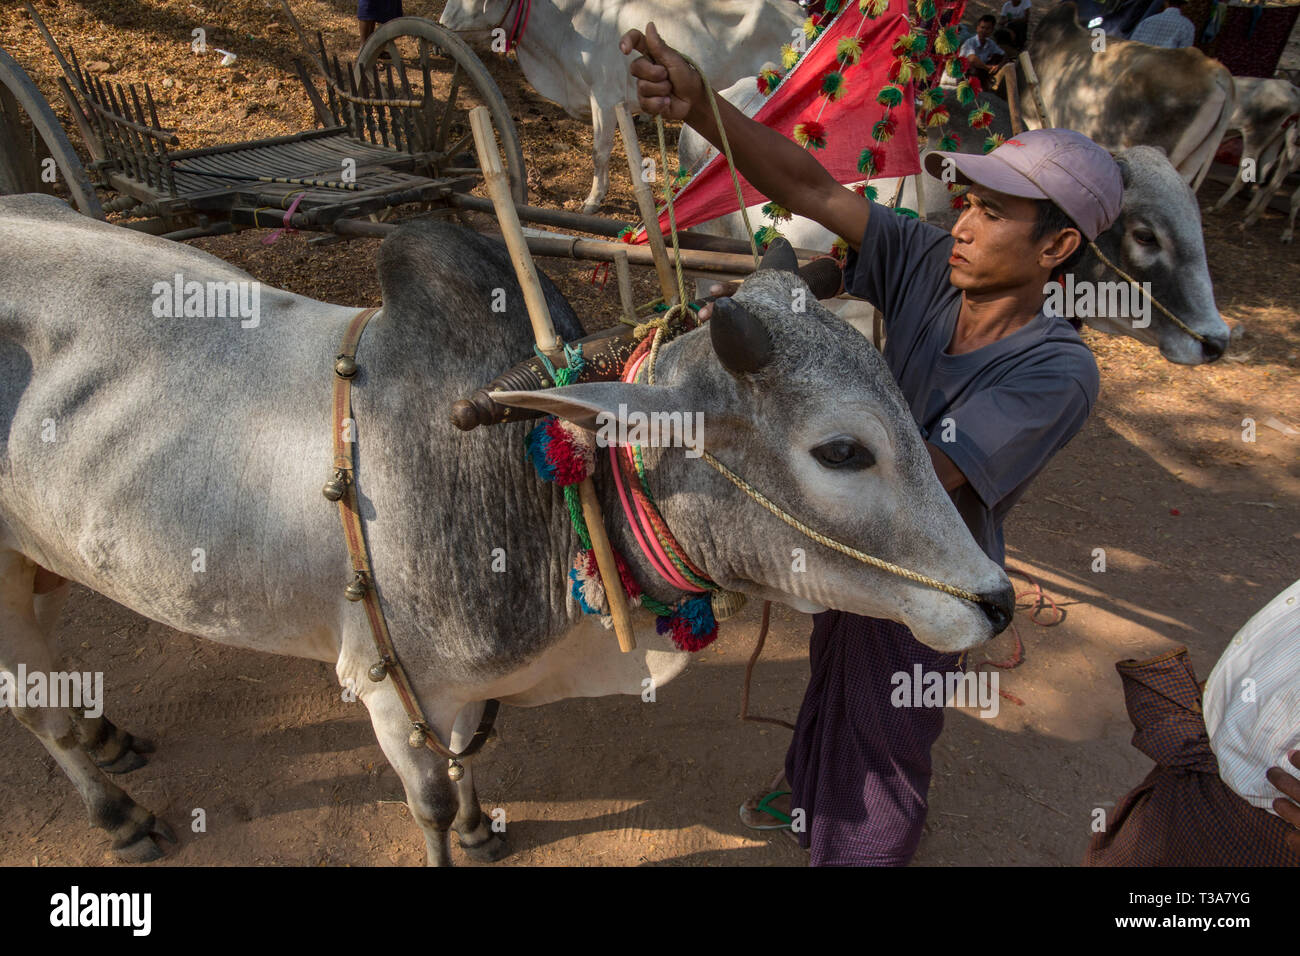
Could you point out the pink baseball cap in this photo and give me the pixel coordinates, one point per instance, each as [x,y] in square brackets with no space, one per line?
[1057,164]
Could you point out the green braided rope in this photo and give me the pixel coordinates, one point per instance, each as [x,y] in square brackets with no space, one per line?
[574,504]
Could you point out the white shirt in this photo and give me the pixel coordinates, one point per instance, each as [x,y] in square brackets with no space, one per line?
[1016,11]
[1252,700]
[1168,28]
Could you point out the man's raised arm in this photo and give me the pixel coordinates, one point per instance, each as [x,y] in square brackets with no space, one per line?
[779,169]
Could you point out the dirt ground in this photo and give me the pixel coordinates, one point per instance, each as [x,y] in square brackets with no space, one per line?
[1199,528]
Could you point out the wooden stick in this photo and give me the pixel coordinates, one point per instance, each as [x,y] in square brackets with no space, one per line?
[624,273]
[1032,79]
[1012,89]
[920,194]
[498,187]
[646,203]
[480,121]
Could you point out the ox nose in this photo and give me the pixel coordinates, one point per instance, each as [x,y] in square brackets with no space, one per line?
[1212,349]
[998,606]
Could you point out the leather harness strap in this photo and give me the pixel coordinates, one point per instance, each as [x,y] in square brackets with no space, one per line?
[343,490]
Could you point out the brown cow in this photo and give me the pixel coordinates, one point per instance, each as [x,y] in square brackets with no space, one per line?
[1121,93]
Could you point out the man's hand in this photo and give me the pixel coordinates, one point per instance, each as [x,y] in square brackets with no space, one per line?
[1288,810]
[666,85]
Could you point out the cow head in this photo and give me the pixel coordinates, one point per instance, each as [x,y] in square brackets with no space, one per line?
[1157,239]
[475,18]
[800,406]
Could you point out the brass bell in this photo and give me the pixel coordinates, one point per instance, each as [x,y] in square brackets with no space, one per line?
[378,671]
[455,770]
[345,366]
[417,736]
[726,604]
[335,488]
[356,591]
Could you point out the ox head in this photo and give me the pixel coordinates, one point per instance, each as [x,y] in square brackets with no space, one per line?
[1157,239]
[475,18]
[798,404]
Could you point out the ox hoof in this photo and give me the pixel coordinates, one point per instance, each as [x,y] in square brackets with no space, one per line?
[113,749]
[143,844]
[490,850]
[131,757]
[590,208]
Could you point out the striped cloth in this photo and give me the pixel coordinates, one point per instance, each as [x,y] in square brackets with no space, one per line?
[1252,700]
[1182,814]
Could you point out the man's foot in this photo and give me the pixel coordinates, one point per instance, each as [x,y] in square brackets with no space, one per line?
[769,810]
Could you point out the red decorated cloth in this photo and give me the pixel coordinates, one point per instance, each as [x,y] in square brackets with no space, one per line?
[847,121]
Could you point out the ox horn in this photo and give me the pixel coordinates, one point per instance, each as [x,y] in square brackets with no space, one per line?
[741,342]
[780,255]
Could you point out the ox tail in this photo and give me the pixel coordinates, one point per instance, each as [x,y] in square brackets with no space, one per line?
[1210,145]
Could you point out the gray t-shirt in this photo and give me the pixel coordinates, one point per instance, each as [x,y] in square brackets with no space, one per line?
[1012,404]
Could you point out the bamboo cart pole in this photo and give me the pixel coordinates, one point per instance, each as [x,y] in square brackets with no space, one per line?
[646,203]
[544,333]
[624,273]
[1032,79]
[1011,86]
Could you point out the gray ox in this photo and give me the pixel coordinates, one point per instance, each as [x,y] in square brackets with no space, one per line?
[1157,238]
[132,440]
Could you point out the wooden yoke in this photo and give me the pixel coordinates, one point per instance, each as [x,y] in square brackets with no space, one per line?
[1031,78]
[548,342]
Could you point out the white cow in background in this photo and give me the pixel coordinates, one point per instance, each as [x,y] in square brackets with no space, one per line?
[569,52]
[1266,115]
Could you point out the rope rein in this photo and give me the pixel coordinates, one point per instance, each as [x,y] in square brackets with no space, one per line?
[1141,288]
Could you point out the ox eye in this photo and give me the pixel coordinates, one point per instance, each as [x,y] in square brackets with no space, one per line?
[844,453]
[1145,236]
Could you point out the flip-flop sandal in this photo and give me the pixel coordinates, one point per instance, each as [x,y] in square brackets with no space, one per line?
[763,807]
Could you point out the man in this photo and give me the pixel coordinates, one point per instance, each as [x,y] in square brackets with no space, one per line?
[370,13]
[1015,17]
[996,386]
[1168,28]
[982,54]
[1226,759]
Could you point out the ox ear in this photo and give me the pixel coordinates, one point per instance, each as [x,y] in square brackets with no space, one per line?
[598,405]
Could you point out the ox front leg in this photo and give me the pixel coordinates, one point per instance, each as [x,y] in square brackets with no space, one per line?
[63,728]
[603,125]
[478,839]
[430,793]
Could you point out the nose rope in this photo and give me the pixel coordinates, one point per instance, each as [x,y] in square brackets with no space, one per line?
[1154,301]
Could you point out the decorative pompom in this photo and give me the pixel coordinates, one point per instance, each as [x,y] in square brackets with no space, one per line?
[627,234]
[839,249]
[765,236]
[980,117]
[848,50]
[932,98]
[936,117]
[901,70]
[926,66]
[959,202]
[810,135]
[691,626]
[767,81]
[957,67]
[560,451]
[775,211]
[872,8]
[810,28]
[890,96]
[949,144]
[833,85]
[909,213]
[587,589]
[789,56]
[832,7]
[993,141]
[976,86]
[866,189]
[883,130]
[871,161]
[925,9]
[945,41]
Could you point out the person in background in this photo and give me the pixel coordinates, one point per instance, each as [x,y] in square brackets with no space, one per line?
[1015,17]
[1225,790]
[1168,28]
[982,54]
[370,13]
